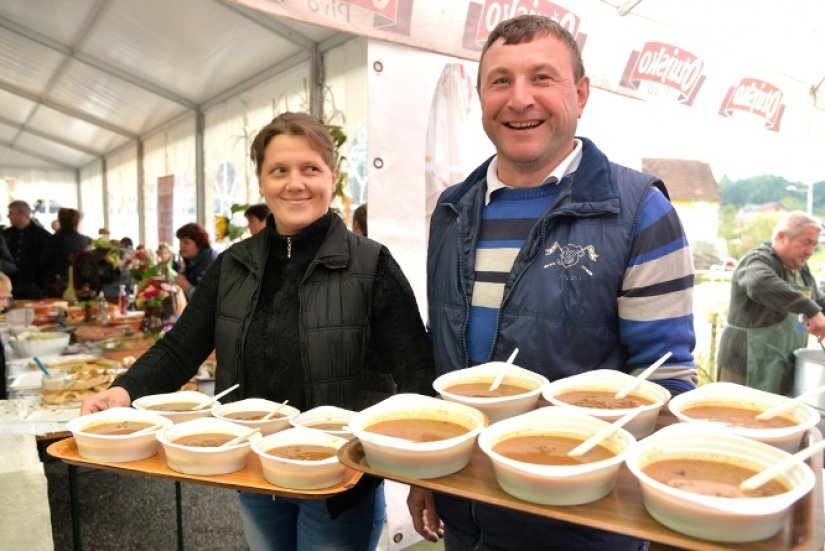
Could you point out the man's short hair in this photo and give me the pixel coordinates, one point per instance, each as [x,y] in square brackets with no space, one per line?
[20,206]
[259,211]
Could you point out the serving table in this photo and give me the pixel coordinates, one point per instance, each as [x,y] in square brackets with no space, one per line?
[622,510]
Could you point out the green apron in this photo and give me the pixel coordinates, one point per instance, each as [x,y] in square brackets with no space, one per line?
[771,362]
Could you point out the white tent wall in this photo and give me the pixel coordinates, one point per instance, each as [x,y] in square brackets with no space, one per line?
[169,152]
[122,193]
[91,193]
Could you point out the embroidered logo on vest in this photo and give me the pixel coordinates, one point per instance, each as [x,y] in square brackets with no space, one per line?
[568,256]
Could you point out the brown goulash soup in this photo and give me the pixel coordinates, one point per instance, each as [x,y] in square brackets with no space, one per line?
[303,452]
[117,427]
[250,415]
[549,449]
[418,429]
[602,399]
[204,440]
[737,417]
[711,478]
[482,390]
[172,406]
[324,425]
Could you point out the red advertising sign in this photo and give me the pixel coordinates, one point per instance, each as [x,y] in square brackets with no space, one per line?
[664,71]
[756,98]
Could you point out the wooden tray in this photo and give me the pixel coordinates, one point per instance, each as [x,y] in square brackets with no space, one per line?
[249,479]
[622,511]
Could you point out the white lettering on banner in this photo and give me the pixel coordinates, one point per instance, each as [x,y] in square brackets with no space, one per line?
[496,11]
[670,69]
[330,8]
[757,97]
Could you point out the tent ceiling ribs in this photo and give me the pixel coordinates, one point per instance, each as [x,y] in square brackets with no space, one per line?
[96,63]
[37,155]
[271,25]
[50,137]
[67,110]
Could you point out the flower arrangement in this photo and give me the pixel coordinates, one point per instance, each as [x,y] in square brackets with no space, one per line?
[153,293]
[225,226]
[141,266]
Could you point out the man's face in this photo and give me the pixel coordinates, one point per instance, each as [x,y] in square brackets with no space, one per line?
[255,224]
[796,251]
[530,105]
[18,219]
[5,298]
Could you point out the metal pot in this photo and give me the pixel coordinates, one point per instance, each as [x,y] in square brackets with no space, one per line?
[810,373]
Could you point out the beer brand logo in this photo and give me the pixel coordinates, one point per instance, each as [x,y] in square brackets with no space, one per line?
[390,15]
[483,18]
[568,256]
[755,98]
[664,71]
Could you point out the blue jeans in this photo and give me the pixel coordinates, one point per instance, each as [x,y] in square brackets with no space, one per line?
[272,523]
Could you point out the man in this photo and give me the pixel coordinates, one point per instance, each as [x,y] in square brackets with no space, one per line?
[770,289]
[359,220]
[549,247]
[256,217]
[5,301]
[26,241]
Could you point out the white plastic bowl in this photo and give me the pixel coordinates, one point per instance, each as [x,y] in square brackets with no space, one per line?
[295,473]
[203,460]
[193,396]
[734,395]
[555,484]
[325,414]
[40,344]
[612,381]
[496,408]
[729,520]
[114,448]
[270,426]
[418,459]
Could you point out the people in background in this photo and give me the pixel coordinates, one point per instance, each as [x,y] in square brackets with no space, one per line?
[60,249]
[126,244]
[197,254]
[775,304]
[359,220]
[295,313]
[550,248]
[169,266]
[7,263]
[256,217]
[5,301]
[26,241]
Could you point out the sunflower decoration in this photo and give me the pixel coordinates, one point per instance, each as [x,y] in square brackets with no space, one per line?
[226,226]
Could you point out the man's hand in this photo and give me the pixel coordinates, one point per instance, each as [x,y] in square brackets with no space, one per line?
[109,398]
[424,516]
[816,326]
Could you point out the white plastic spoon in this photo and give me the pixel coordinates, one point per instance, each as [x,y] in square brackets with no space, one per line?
[239,439]
[779,467]
[215,398]
[603,434]
[790,404]
[630,387]
[272,413]
[501,374]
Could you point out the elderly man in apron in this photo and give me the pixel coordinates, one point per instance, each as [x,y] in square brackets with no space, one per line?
[774,306]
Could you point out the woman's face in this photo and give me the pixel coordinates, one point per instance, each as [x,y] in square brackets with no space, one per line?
[164,254]
[188,248]
[295,182]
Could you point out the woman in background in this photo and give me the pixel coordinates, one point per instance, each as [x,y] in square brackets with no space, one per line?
[198,255]
[56,257]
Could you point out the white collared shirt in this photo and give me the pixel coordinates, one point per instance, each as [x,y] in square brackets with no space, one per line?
[566,166]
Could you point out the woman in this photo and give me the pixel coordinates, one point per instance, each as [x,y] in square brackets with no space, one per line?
[60,249]
[197,256]
[306,311]
[169,267]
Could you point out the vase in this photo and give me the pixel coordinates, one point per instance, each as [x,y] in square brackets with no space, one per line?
[153,319]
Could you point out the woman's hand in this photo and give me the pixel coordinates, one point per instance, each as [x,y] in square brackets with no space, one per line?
[109,398]
[424,516]
[182,282]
